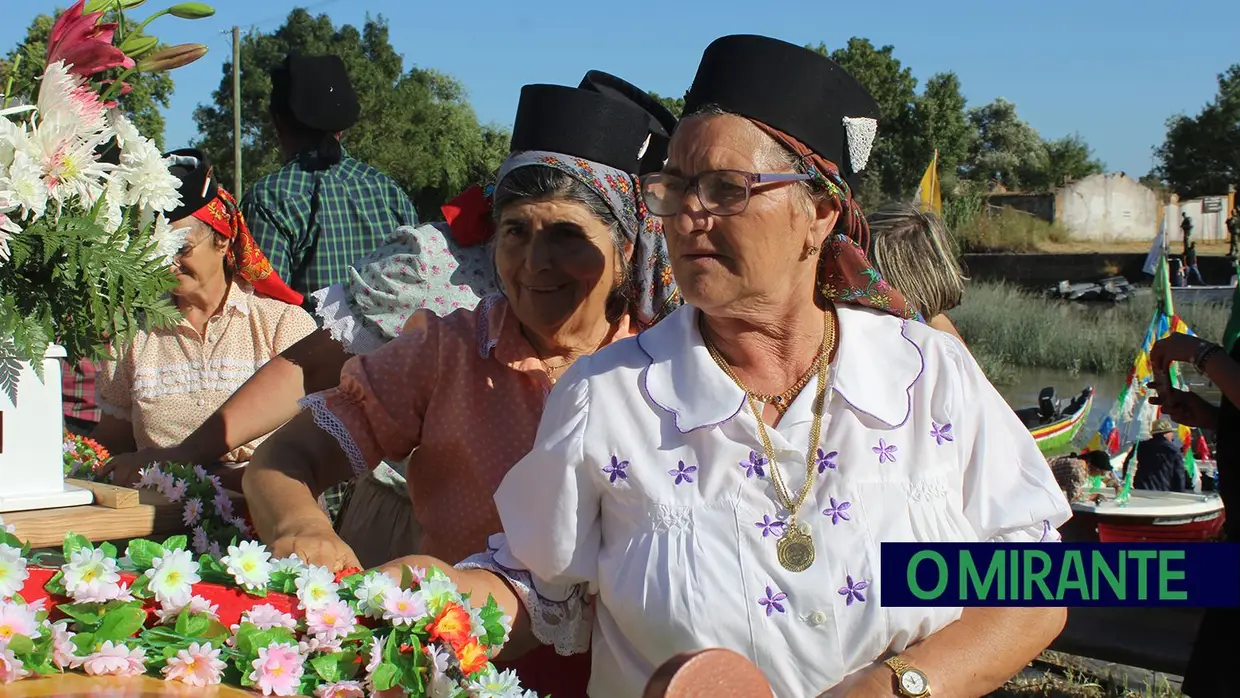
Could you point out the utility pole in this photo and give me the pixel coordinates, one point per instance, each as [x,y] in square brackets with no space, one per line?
[236,76]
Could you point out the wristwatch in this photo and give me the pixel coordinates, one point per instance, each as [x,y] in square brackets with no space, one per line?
[910,682]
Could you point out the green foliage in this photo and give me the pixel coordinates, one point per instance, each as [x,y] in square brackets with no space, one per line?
[676,105]
[416,125]
[1201,154]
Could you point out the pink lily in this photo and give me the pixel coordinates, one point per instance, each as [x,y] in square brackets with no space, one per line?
[82,42]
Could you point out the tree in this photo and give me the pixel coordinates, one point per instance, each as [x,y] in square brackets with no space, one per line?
[1007,151]
[675,105]
[1069,158]
[416,125]
[891,170]
[151,91]
[1201,154]
[941,123]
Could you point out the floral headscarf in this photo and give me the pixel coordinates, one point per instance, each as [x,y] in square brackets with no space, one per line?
[223,216]
[845,273]
[655,294]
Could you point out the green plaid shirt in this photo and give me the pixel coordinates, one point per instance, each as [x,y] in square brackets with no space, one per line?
[313,222]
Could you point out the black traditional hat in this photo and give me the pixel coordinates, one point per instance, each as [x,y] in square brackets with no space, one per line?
[198,185]
[662,120]
[317,92]
[793,89]
[581,123]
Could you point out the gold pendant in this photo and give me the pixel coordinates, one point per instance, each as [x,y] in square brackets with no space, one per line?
[795,550]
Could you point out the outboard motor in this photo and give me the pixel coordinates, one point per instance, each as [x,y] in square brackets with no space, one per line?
[1048,404]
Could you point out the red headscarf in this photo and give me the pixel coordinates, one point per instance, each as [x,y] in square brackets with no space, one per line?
[224,217]
[845,274]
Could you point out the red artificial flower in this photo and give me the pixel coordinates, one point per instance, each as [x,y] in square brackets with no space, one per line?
[452,626]
[469,217]
[347,572]
[83,43]
[472,657]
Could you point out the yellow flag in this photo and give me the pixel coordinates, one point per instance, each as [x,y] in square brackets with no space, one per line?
[928,191]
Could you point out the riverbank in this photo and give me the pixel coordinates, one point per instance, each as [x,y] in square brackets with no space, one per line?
[1009,329]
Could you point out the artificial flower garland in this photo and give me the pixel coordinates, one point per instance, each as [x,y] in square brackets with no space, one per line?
[84,457]
[276,627]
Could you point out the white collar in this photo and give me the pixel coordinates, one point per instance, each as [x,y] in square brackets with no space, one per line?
[876,366]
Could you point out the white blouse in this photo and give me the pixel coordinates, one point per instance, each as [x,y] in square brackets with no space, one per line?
[647,488]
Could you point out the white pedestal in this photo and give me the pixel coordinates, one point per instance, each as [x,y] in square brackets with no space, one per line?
[32,442]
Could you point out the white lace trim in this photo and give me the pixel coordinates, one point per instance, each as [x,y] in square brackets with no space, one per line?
[565,625]
[112,410]
[331,424]
[332,307]
[861,132]
[486,343]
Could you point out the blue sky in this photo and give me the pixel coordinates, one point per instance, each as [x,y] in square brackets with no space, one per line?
[1111,70]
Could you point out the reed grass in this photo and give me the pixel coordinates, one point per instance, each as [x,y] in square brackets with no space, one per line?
[1008,328]
[979,227]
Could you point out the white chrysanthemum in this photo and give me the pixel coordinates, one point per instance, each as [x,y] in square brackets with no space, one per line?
[292,563]
[71,167]
[23,186]
[66,101]
[172,578]
[494,684]
[126,133]
[8,227]
[89,573]
[316,586]
[442,686]
[249,563]
[168,240]
[13,572]
[111,214]
[370,593]
[150,184]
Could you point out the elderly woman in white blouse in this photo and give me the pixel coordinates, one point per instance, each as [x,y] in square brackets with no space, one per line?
[725,478]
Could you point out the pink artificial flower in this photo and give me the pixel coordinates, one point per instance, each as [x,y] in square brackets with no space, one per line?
[278,669]
[332,620]
[114,660]
[176,490]
[196,665]
[223,505]
[80,40]
[266,616]
[167,613]
[11,668]
[63,648]
[403,607]
[16,619]
[341,689]
[311,645]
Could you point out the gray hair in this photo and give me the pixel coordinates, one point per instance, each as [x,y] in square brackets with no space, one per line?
[915,252]
[541,182]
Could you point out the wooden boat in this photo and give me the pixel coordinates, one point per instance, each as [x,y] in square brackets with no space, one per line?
[1150,517]
[1054,427]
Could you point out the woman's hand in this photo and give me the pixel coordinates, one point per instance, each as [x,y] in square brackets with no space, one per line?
[1173,347]
[126,466]
[1189,409]
[323,548]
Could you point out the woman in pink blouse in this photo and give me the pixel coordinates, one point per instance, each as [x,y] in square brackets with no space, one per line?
[238,314]
[580,264]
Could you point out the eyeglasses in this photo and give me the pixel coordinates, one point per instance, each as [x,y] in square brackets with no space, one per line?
[722,192]
[187,248]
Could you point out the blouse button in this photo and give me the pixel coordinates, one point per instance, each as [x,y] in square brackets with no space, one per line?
[201,403]
[818,618]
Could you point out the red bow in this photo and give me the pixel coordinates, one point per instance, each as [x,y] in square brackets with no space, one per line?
[469,217]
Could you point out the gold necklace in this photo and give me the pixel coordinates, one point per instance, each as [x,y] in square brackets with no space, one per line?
[795,548]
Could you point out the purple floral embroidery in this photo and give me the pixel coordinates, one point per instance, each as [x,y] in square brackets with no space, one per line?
[683,473]
[852,590]
[837,511]
[886,452]
[825,460]
[771,528]
[615,470]
[754,466]
[772,601]
[941,433]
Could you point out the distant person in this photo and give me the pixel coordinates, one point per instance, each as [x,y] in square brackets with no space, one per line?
[323,210]
[1186,227]
[1177,272]
[914,252]
[1209,673]
[1160,464]
[1074,473]
[1190,266]
[1233,233]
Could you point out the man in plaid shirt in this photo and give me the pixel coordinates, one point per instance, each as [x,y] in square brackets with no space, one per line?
[323,209]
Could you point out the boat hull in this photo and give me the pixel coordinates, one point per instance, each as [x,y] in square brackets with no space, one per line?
[1148,517]
[1059,435]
